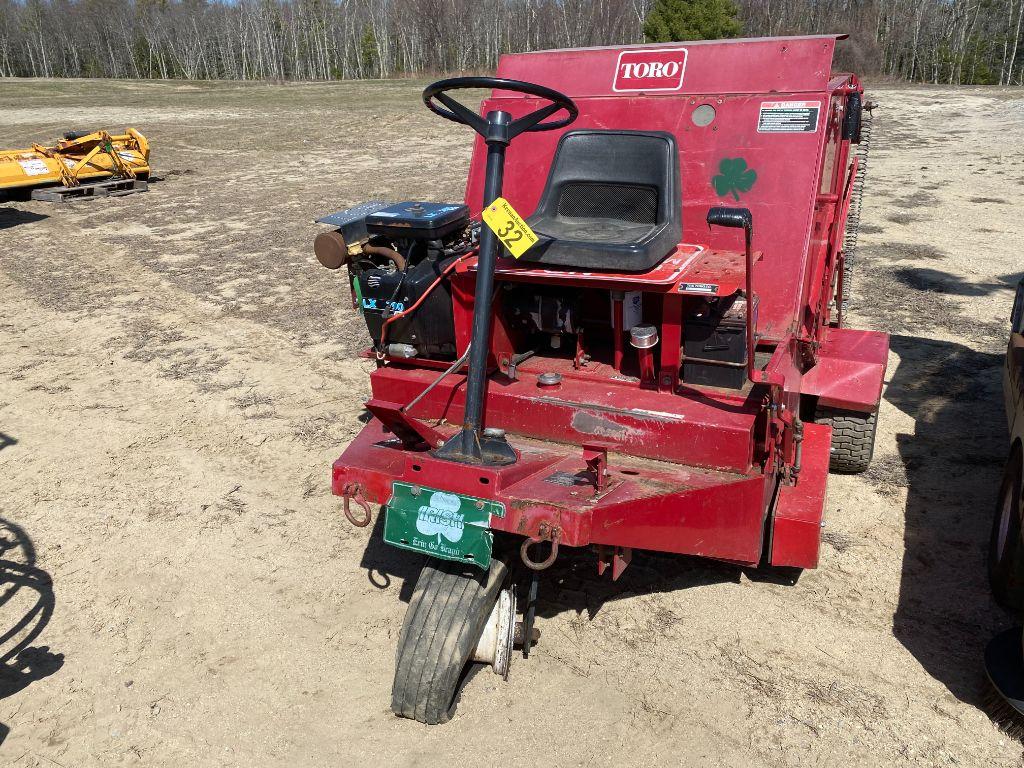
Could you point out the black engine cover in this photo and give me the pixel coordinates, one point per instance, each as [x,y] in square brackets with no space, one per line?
[417,220]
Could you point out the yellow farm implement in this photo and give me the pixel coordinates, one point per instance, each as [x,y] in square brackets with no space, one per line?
[81,165]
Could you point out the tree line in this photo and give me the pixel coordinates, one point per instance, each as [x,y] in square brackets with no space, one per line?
[938,41]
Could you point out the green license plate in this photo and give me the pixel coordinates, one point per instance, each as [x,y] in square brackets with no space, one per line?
[451,526]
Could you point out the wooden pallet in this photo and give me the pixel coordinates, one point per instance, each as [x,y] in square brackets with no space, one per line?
[109,188]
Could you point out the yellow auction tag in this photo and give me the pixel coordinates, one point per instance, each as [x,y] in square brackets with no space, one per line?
[509,226]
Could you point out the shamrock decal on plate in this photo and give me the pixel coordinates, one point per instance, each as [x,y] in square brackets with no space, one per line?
[733,177]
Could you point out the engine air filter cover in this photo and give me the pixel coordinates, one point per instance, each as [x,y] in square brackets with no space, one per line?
[428,221]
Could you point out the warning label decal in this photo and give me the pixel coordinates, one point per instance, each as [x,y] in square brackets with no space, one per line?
[788,117]
[33,167]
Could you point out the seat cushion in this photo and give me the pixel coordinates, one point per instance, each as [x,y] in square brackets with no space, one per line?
[611,202]
[593,231]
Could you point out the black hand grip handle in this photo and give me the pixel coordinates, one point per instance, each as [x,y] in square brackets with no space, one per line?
[737,218]
[740,218]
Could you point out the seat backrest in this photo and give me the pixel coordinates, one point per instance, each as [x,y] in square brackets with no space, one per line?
[628,176]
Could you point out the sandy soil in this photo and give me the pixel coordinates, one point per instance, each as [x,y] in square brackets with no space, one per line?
[176,377]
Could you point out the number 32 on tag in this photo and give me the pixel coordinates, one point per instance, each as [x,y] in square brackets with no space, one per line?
[509,226]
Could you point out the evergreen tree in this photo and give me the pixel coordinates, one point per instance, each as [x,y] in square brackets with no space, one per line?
[368,49]
[671,20]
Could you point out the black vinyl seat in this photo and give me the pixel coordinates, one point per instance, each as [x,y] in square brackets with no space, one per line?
[612,202]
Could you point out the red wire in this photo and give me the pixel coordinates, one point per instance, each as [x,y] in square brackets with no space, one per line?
[431,287]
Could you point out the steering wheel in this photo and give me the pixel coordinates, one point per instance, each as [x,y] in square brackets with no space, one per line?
[470,445]
[493,129]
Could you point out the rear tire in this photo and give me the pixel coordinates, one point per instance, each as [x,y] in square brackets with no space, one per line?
[853,437]
[443,624]
[1005,551]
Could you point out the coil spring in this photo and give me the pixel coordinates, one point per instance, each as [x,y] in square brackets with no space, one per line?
[856,198]
[857,193]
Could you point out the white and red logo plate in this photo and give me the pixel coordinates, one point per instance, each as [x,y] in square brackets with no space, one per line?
[658,69]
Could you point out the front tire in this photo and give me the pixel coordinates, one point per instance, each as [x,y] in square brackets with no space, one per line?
[443,624]
[1005,551]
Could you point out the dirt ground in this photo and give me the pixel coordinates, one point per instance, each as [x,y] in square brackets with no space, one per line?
[176,375]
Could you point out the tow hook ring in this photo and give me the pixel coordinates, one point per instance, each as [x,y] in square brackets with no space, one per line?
[546,533]
[355,491]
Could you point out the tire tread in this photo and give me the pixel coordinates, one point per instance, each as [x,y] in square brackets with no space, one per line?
[853,437]
[442,625]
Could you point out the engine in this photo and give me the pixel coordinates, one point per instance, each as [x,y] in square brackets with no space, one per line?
[397,257]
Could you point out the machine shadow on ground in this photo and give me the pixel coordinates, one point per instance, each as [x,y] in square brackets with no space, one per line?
[952,465]
[12,217]
[384,563]
[572,584]
[26,607]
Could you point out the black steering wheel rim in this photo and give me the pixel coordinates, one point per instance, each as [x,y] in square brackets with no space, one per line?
[459,113]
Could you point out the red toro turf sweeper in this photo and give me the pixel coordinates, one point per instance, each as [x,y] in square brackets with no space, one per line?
[654,359]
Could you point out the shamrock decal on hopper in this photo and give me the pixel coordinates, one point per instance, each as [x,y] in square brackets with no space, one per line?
[733,177]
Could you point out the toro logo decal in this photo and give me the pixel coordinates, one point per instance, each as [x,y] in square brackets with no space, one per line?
[660,69]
